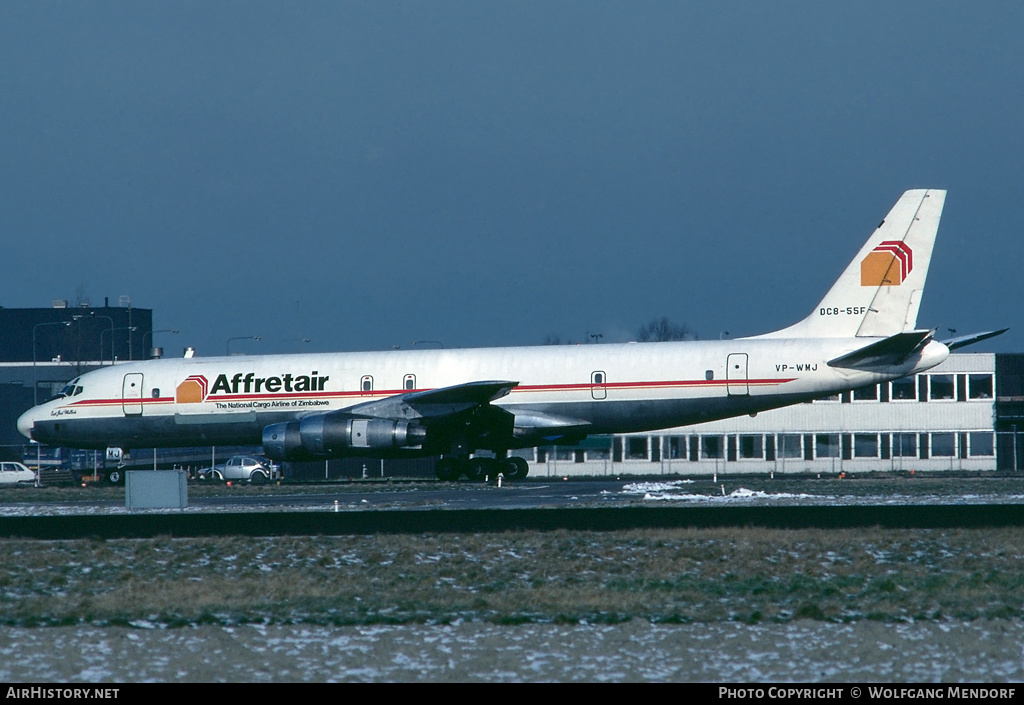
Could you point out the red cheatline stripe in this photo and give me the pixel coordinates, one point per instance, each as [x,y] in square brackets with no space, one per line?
[393,392]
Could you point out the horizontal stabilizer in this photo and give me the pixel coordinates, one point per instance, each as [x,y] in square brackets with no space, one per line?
[965,340]
[887,352]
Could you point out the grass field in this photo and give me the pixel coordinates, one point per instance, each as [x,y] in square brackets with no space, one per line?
[666,576]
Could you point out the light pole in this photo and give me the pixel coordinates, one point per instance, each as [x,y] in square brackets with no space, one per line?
[297,341]
[111,331]
[35,378]
[151,333]
[92,314]
[239,337]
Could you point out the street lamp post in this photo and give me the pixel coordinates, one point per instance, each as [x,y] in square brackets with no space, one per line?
[239,337]
[111,331]
[92,314]
[151,333]
[35,378]
[297,342]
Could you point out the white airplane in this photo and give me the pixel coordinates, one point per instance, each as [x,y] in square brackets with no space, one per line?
[453,403]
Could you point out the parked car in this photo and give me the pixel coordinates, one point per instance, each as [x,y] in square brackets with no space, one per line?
[16,474]
[241,467]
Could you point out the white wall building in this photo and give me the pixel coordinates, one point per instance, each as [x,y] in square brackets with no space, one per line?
[939,421]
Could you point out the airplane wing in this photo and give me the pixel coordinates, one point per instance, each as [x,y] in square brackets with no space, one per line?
[445,401]
[445,420]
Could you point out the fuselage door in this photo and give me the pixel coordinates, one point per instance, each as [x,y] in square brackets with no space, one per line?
[131,394]
[736,374]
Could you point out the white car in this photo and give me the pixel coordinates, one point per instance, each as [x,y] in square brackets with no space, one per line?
[242,467]
[16,474]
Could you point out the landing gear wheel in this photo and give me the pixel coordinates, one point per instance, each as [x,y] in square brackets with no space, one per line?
[448,469]
[479,468]
[515,468]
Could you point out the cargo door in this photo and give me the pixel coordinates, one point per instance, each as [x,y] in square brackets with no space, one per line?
[736,374]
[131,394]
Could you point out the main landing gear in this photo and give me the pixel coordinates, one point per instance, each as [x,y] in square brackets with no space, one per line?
[451,468]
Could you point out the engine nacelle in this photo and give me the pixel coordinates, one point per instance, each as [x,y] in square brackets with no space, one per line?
[281,441]
[326,435]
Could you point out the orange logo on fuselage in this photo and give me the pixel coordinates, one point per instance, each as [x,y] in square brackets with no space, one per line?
[887,265]
[192,390]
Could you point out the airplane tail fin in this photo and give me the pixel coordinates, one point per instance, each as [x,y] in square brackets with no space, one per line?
[879,294]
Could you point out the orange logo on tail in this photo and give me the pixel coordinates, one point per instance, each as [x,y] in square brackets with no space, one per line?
[192,390]
[887,265]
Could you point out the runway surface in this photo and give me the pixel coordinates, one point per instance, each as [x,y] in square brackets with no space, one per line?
[534,494]
[394,507]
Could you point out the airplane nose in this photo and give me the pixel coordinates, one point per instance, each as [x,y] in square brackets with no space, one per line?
[25,423]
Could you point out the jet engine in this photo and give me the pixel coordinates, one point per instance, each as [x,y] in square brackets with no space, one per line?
[326,435]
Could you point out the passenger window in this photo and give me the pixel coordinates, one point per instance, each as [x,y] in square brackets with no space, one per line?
[410,383]
[156,392]
[367,383]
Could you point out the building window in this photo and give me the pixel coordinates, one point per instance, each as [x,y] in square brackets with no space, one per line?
[832,398]
[675,448]
[789,446]
[904,389]
[943,445]
[865,445]
[979,386]
[904,445]
[563,453]
[826,445]
[866,393]
[941,388]
[710,447]
[751,447]
[981,444]
[636,448]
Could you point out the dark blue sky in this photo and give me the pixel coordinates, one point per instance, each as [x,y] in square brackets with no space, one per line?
[368,174]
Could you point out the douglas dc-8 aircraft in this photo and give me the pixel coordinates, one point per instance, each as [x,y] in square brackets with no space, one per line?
[453,403]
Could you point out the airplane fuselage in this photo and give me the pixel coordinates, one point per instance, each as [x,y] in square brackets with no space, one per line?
[612,388]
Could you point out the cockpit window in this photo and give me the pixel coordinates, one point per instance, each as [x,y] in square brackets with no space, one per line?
[71,389]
